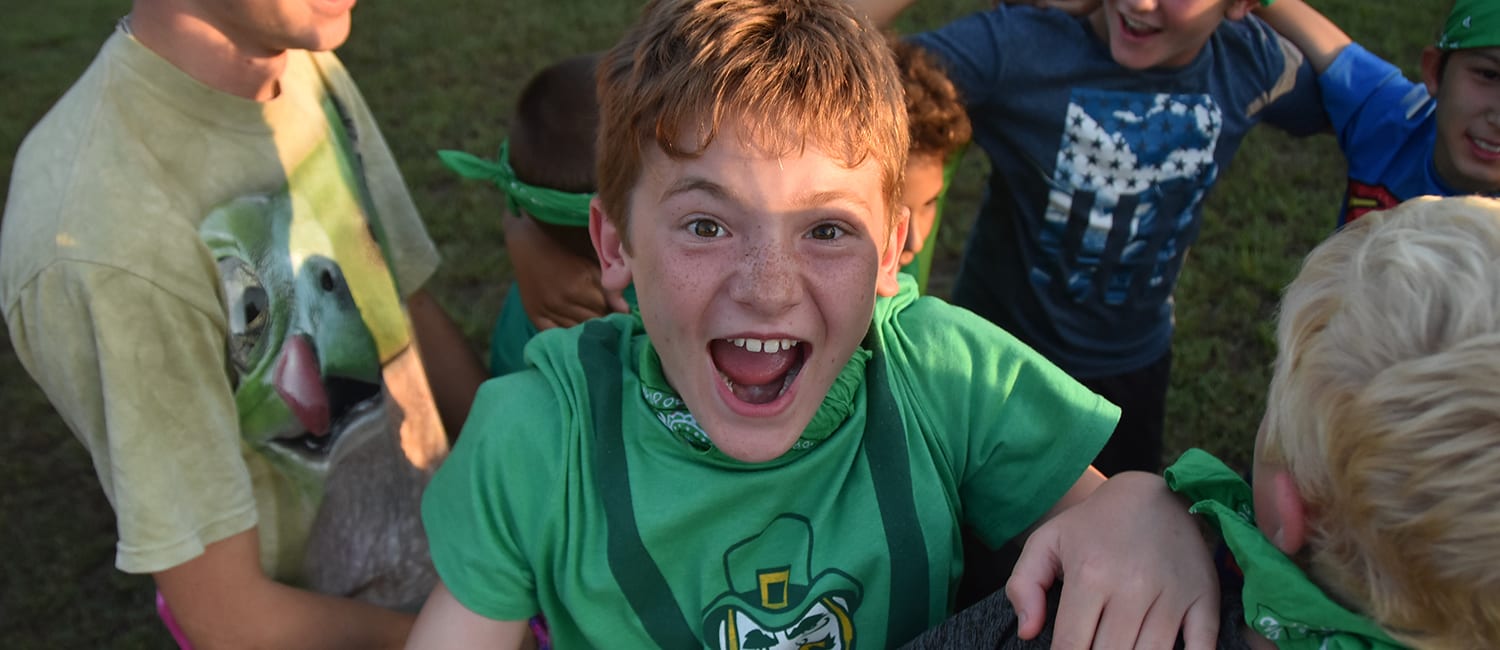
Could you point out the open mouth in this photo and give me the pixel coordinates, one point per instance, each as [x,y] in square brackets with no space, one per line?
[1485,146]
[758,371]
[1135,27]
[349,401]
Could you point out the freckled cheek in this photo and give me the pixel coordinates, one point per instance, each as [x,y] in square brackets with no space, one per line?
[844,276]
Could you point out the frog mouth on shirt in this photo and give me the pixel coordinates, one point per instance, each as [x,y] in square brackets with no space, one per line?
[353,405]
[323,409]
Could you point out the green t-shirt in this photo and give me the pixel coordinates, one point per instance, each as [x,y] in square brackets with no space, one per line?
[577,491]
[129,200]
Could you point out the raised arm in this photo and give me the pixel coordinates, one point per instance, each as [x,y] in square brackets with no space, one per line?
[1313,33]
[222,599]
[559,287]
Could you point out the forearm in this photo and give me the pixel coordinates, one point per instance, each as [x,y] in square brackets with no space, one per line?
[1319,38]
[452,369]
[1082,488]
[221,599]
[446,623]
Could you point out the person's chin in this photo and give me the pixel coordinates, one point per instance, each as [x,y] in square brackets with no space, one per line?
[752,446]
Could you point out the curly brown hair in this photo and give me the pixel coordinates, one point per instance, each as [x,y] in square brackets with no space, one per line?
[938,121]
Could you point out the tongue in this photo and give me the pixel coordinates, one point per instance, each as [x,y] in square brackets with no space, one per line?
[755,377]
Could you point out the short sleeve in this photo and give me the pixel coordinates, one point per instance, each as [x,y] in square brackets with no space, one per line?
[1364,94]
[138,374]
[1019,430]
[972,51]
[488,495]
[1289,98]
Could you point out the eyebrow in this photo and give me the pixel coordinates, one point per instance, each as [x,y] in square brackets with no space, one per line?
[719,192]
[1488,55]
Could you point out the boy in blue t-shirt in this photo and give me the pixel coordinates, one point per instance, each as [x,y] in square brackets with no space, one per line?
[779,448]
[1403,139]
[1102,153]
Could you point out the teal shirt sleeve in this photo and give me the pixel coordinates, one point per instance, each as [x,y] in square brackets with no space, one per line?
[1018,431]
[489,499]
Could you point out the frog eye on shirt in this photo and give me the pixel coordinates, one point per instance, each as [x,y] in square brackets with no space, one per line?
[248,307]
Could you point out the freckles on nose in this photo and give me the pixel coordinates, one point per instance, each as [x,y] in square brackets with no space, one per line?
[767,273]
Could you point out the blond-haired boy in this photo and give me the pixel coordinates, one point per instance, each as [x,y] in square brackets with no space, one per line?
[780,448]
[1377,466]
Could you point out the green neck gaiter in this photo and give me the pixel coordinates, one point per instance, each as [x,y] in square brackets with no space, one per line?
[1281,603]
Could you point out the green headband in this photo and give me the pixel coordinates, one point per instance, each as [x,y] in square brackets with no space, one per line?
[543,204]
[1473,23]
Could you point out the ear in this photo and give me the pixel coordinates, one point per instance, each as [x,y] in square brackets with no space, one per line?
[609,244]
[1238,9]
[886,284]
[1287,522]
[1432,59]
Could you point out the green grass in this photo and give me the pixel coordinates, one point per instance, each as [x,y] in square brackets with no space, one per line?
[443,74]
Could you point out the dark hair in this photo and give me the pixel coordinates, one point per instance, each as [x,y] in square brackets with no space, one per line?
[552,135]
[938,120]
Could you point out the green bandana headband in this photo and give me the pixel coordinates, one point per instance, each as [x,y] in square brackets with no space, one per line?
[1281,603]
[1473,23]
[543,204]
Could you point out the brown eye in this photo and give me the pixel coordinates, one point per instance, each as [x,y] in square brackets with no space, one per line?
[706,229]
[826,231]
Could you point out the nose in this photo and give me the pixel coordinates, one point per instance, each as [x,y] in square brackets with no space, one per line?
[914,241]
[768,278]
[1137,6]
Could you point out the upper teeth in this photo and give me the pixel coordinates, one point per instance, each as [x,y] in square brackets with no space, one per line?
[1135,24]
[1492,148]
[768,346]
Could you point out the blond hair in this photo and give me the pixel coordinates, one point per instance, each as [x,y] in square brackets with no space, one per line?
[790,72]
[1384,407]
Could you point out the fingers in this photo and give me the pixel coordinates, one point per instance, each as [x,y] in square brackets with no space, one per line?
[1200,629]
[1159,630]
[1121,621]
[1036,569]
[1078,616]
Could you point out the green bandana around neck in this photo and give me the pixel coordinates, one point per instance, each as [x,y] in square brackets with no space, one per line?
[1281,603]
[544,204]
[674,415]
[1472,23]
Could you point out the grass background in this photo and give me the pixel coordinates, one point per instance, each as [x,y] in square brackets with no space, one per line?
[443,74]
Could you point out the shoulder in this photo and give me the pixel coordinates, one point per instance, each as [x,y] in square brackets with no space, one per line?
[1358,70]
[553,391]
[981,43]
[933,331]
[85,195]
[1250,41]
